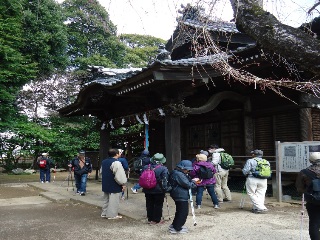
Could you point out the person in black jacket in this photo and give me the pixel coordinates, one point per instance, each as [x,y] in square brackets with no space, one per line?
[145,160]
[303,181]
[44,164]
[82,168]
[155,196]
[181,183]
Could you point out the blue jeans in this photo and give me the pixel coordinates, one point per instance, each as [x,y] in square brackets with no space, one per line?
[45,175]
[81,182]
[210,189]
[136,186]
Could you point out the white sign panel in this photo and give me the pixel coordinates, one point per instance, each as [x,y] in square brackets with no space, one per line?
[294,156]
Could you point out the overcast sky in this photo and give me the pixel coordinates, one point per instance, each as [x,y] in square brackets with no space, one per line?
[158,17]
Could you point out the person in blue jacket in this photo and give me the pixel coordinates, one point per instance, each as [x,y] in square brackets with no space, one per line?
[82,168]
[181,183]
[123,160]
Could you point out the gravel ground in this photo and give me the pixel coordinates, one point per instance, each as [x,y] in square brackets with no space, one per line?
[71,220]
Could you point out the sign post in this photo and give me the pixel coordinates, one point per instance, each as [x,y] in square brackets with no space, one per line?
[291,157]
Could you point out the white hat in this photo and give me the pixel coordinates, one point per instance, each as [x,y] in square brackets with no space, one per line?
[314,157]
[44,154]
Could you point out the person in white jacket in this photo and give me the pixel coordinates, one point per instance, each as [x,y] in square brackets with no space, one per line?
[221,187]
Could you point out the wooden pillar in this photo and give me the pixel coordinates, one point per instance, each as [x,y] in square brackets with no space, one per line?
[248,127]
[305,118]
[104,147]
[173,141]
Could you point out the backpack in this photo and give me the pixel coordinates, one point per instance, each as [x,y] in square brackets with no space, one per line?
[226,160]
[148,178]
[263,169]
[42,163]
[138,165]
[165,184]
[313,190]
[205,173]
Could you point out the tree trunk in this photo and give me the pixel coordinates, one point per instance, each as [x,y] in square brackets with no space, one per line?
[291,43]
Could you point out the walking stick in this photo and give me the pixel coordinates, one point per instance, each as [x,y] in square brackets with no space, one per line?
[128,184]
[302,216]
[243,197]
[69,178]
[167,206]
[54,173]
[192,208]
[122,195]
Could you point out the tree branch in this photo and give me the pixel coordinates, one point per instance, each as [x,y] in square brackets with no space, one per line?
[291,43]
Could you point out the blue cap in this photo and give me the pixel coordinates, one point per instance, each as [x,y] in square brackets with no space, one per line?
[185,164]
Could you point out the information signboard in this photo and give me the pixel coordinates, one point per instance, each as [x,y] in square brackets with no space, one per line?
[294,156]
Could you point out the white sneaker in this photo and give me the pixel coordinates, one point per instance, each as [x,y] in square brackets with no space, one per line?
[42,181]
[199,207]
[183,230]
[216,206]
[172,228]
[134,190]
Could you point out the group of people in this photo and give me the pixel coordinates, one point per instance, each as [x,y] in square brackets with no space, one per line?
[187,177]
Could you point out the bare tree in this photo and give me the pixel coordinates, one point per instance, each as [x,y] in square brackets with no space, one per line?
[295,48]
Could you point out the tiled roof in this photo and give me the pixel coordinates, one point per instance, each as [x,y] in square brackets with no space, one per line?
[217,26]
[113,76]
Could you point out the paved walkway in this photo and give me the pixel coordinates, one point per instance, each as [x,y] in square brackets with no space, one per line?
[134,204]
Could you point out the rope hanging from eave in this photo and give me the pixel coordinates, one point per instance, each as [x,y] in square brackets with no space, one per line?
[133,119]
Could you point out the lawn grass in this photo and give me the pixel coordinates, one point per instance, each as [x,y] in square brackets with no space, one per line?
[25,178]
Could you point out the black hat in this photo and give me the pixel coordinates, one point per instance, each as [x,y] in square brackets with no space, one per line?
[82,152]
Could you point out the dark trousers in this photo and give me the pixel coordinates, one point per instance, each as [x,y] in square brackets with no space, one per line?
[45,174]
[314,220]
[180,217]
[154,204]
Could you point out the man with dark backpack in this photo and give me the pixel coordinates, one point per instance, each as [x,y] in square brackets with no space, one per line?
[82,169]
[222,162]
[138,165]
[308,183]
